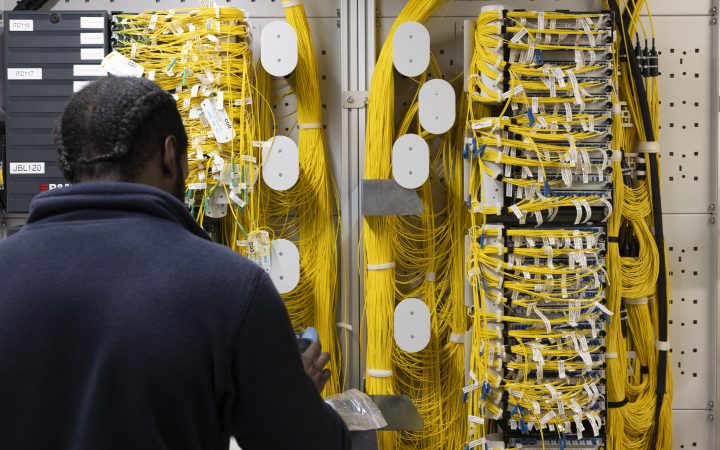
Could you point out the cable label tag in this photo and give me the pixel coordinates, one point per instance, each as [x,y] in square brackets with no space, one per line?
[476,443]
[578,425]
[121,66]
[237,200]
[218,120]
[547,417]
[575,87]
[544,318]
[519,35]
[476,419]
[561,375]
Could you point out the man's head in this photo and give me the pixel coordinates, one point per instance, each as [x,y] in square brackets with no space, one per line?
[123,129]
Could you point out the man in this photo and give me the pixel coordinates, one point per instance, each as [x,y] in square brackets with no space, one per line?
[122,326]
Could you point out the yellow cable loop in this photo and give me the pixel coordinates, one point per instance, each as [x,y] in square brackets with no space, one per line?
[316,209]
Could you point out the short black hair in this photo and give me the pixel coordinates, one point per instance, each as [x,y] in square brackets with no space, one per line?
[113,126]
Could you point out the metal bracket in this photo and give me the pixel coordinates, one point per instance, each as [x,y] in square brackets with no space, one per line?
[354,99]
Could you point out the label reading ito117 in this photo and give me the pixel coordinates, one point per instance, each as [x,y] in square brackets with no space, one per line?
[27,168]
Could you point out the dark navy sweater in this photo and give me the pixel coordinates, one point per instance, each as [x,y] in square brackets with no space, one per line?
[123,327]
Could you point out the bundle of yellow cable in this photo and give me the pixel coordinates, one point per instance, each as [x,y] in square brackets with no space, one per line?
[616,362]
[641,300]
[315,197]
[453,312]
[418,374]
[379,278]
[434,377]
[203,55]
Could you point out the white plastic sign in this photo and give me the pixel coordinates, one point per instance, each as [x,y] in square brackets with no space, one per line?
[92,22]
[92,38]
[88,70]
[281,164]
[410,161]
[411,49]
[285,265]
[92,54]
[27,168]
[219,121]
[279,48]
[118,64]
[437,106]
[412,325]
[21,25]
[35,73]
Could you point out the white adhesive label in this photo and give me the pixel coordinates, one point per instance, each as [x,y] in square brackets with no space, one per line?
[27,168]
[92,54]
[88,70]
[21,25]
[25,74]
[92,23]
[92,38]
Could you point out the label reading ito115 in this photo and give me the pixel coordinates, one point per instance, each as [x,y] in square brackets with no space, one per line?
[27,168]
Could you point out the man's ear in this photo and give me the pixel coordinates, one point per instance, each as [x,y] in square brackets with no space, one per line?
[169,156]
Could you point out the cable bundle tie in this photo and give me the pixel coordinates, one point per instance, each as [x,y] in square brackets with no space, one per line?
[648,147]
[377,373]
[308,126]
[616,155]
[431,277]
[262,144]
[346,326]
[619,404]
[457,338]
[611,355]
[663,346]
[636,301]
[291,3]
[384,266]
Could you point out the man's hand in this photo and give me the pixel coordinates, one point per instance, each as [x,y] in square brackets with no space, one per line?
[314,361]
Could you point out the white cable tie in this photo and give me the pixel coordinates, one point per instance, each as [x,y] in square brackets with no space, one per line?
[262,144]
[458,338]
[663,346]
[636,301]
[431,277]
[346,326]
[291,3]
[377,373]
[384,266]
[611,355]
[648,147]
[616,155]
[307,126]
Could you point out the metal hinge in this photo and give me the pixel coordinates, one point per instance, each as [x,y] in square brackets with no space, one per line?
[355,99]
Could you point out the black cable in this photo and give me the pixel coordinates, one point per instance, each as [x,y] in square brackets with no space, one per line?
[657,211]
[29,5]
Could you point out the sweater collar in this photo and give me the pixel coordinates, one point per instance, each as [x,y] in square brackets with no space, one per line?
[119,197]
